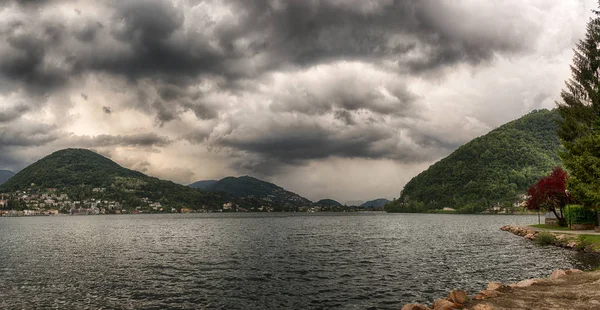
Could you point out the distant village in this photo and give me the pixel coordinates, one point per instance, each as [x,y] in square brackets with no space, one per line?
[49,201]
[35,201]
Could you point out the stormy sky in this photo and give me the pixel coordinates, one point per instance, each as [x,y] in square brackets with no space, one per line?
[342,99]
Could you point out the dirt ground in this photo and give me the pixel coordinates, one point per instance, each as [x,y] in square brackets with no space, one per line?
[572,292]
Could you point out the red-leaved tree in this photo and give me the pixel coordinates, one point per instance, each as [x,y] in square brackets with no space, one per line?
[549,194]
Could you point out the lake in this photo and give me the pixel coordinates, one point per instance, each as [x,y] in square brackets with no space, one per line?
[262,261]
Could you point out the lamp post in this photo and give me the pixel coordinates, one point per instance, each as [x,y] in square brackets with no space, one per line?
[568,207]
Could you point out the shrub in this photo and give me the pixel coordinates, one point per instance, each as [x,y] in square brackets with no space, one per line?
[545,238]
[576,214]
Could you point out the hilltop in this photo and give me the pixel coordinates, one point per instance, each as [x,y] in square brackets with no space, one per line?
[78,172]
[327,203]
[203,184]
[491,169]
[376,203]
[252,192]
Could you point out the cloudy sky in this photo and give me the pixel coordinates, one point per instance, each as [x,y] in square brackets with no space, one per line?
[343,99]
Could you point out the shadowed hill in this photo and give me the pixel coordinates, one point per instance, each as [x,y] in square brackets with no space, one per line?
[376,203]
[263,192]
[327,203]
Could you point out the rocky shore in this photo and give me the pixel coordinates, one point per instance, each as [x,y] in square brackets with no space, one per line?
[564,289]
[564,240]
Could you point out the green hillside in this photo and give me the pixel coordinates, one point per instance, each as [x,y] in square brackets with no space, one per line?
[258,192]
[494,168]
[77,172]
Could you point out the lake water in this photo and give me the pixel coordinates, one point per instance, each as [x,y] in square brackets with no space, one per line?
[262,261]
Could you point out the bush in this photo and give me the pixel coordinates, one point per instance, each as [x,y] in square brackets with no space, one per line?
[576,214]
[545,238]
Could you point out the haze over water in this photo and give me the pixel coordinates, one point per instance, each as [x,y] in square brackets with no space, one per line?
[262,261]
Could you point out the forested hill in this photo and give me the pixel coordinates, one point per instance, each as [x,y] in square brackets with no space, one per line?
[77,172]
[256,191]
[494,168]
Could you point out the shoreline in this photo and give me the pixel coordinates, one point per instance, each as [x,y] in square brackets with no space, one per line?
[564,289]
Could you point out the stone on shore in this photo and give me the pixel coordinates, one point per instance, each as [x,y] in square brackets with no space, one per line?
[495,286]
[458,297]
[415,307]
[525,283]
[484,307]
[444,304]
[558,274]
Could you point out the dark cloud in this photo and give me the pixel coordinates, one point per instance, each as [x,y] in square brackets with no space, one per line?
[140,140]
[106,110]
[302,140]
[10,114]
[26,134]
[156,39]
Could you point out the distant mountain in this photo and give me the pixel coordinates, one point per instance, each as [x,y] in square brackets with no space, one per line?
[5,175]
[377,203]
[203,184]
[78,171]
[327,203]
[494,168]
[254,191]
[354,202]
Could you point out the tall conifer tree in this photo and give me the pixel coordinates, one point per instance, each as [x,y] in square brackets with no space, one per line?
[579,128]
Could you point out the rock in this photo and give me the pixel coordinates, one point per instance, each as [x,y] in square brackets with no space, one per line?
[444,304]
[525,283]
[572,271]
[415,307]
[558,274]
[495,286]
[530,236]
[458,297]
[572,244]
[484,307]
[479,297]
[490,293]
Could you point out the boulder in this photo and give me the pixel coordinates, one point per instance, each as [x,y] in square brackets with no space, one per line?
[495,286]
[490,293]
[415,307]
[484,307]
[444,304]
[558,274]
[572,271]
[572,244]
[525,283]
[530,236]
[458,297]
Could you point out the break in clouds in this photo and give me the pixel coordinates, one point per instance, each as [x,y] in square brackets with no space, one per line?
[341,99]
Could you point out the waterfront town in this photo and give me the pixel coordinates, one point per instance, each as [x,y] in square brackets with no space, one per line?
[50,201]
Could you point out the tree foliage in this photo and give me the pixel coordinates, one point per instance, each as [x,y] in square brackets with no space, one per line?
[579,129]
[549,193]
[492,169]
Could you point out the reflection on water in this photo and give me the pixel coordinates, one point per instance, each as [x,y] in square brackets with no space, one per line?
[258,261]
